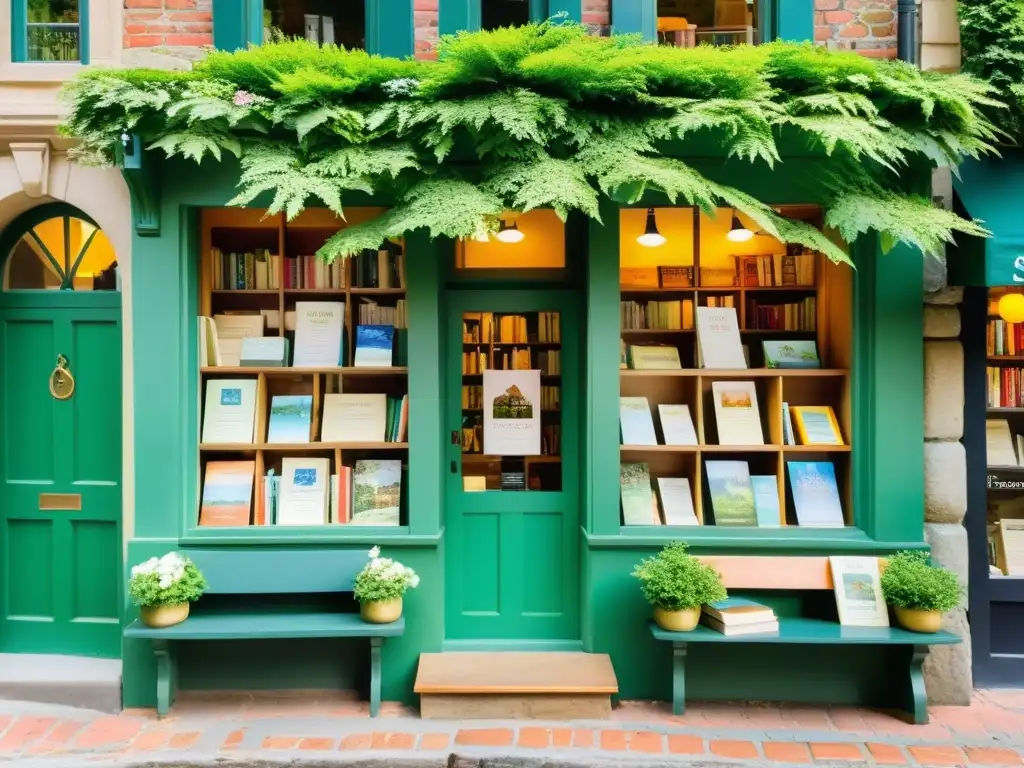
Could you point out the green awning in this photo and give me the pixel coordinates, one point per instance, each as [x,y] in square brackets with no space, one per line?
[991,190]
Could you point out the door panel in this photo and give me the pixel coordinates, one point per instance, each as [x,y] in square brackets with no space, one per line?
[60,500]
[512,569]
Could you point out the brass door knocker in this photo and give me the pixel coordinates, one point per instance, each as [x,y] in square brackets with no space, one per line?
[62,383]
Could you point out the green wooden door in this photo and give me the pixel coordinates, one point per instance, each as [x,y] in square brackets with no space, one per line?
[60,499]
[512,556]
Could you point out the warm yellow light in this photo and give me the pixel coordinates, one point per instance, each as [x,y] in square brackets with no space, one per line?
[651,237]
[1011,307]
[738,233]
[509,233]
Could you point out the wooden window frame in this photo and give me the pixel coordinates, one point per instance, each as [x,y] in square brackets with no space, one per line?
[791,20]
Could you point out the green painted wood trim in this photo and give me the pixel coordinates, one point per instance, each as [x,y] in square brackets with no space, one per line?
[141,172]
[601,456]
[572,8]
[19,33]
[888,419]
[230,24]
[635,17]
[794,20]
[455,15]
[721,542]
[245,537]
[426,412]
[390,28]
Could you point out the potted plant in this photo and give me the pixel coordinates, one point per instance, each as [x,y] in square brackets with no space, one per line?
[677,584]
[163,588]
[380,586]
[919,592]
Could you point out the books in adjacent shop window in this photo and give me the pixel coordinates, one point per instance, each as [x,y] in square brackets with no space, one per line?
[319,327]
[227,494]
[790,354]
[736,413]
[229,415]
[653,357]
[264,352]
[676,424]
[290,418]
[636,493]
[305,491]
[815,494]
[376,492]
[858,587]
[637,426]
[731,492]
[718,338]
[816,425]
[766,500]
[231,329]
[676,501]
[354,418]
[374,346]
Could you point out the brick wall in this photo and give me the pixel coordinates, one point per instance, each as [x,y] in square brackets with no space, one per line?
[865,26]
[168,34]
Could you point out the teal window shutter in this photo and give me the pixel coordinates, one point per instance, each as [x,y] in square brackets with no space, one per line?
[389,28]
[455,15]
[794,20]
[231,24]
[633,16]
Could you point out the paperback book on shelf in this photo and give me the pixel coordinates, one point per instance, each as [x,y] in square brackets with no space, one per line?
[718,338]
[637,496]
[731,493]
[230,412]
[676,501]
[377,492]
[264,352]
[858,588]
[354,418]
[816,425]
[290,419]
[374,346]
[231,330]
[766,500]
[227,494]
[305,490]
[676,424]
[736,413]
[791,354]
[815,494]
[637,426]
[319,327]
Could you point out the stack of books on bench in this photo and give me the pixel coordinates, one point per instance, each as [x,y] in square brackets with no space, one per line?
[739,616]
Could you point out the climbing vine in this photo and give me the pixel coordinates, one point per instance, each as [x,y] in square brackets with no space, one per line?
[992,41]
[549,116]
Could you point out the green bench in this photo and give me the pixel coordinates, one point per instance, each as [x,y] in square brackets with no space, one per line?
[260,595]
[793,574]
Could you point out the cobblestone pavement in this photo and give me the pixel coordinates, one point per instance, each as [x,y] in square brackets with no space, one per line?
[329,727]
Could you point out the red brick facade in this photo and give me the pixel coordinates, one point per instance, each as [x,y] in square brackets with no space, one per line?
[168,23]
[865,26]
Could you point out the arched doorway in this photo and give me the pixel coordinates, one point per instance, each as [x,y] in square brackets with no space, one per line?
[60,447]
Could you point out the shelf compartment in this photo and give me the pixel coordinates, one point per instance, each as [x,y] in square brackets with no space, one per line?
[736,373]
[291,371]
[299,447]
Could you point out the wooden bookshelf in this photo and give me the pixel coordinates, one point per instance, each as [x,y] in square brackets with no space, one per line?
[240,230]
[828,324]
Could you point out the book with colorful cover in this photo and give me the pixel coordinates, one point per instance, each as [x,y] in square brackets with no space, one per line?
[636,492]
[738,610]
[376,492]
[816,425]
[290,418]
[732,496]
[374,346]
[815,494]
[766,500]
[791,354]
[227,494]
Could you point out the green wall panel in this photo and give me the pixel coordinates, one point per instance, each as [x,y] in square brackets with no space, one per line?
[635,17]
[794,20]
[389,28]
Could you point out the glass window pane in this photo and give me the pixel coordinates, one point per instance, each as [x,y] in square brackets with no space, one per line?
[29,269]
[56,247]
[53,32]
[528,341]
[97,265]
[319,21]
[504,13]
[686,23]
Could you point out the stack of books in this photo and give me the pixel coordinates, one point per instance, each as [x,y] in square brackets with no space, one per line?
[739,616]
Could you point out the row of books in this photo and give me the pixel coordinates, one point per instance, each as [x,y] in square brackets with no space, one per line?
[491,328]
[656,315]
[856,583]
[792,316]
[1005,387]
[547,361]
[793,268]
[304,493]
[237,339]
[254,270]
[372,313]
[1003,338]
[229,416]
[308,271]
[383,268]
[736,498]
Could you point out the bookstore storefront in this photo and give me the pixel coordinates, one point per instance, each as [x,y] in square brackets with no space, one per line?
[992,273]
[525,538]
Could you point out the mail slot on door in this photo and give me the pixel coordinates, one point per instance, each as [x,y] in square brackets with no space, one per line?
[60,502]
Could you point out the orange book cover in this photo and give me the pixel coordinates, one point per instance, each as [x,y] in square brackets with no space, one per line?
[343,488]
[227,494]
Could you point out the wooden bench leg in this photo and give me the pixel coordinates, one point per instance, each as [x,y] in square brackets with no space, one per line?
[678,678]
[916,694]
[166,677]
[375,645]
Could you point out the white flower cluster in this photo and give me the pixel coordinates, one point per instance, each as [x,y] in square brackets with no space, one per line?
[170,568]
[386,569]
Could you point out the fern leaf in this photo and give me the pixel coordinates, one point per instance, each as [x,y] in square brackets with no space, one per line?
[346,123]
[365,162]
[548,183]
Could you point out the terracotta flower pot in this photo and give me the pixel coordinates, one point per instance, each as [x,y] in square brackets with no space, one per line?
[917,620]
[382,611]
[164,615]
[677,621]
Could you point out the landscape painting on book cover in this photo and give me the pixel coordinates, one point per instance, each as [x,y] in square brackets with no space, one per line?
[377,492]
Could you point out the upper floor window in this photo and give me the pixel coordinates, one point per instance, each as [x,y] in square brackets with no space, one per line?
[49,30]
[505,13]
[319,21]
[62,253]
[687,23]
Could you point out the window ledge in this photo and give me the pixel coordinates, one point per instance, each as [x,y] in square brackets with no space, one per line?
[766,540]
[329,534]
[17,72]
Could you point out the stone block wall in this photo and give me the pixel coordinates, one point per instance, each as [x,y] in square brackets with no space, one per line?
[948,668]
[167,34]
[865,26]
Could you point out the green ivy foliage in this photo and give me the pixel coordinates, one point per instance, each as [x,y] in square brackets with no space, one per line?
[992,43]
[675,580]
[909,581]
[548,116]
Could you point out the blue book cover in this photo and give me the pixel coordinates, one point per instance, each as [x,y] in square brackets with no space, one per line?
[290,417]
[815,494]
[766,500]
[374,346]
